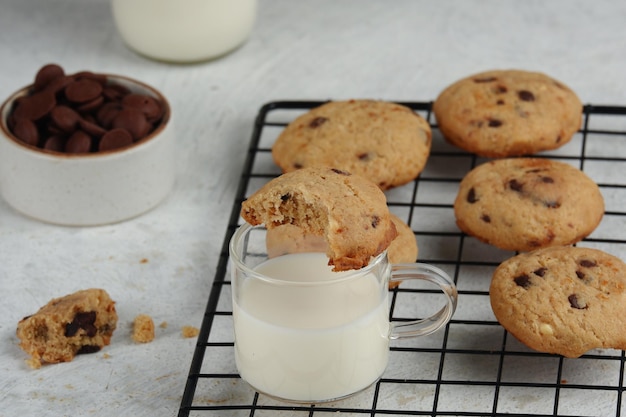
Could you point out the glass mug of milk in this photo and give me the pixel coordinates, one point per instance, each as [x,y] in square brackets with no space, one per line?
[184,30]
[304,333]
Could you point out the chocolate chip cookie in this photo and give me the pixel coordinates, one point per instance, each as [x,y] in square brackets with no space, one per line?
[349,211]
[82,322]
[564,300]
[385,142]
[522,204]
[504,113]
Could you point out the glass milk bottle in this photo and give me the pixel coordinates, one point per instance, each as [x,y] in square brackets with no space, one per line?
[184,31]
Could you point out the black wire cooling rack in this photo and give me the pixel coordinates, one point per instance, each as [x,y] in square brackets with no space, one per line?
[473,367]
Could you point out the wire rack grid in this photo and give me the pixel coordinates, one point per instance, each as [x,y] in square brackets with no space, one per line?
[471,368]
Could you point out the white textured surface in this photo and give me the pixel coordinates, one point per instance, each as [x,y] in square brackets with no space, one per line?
[162,262]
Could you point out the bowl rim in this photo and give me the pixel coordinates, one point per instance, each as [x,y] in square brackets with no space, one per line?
[6,105]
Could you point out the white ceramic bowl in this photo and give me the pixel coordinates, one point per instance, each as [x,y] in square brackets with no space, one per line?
[88,189]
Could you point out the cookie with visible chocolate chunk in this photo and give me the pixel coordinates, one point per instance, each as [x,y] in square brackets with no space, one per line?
[82,322]
[504,113]
[564,300]
[522,204]
[288,238]
[349,211]
[385,142]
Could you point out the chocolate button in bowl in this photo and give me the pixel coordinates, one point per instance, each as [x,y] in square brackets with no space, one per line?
[36,106]
[116,138]
[26,131]
[148,105]
[55,143]
[79,142]
[132,120]
[91,128]
[82,91]
[58,84]
[46,74]
[64,118]
[106,114]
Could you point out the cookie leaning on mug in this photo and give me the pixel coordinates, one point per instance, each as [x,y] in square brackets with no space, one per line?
[349,211]
[564,300]
[288,238]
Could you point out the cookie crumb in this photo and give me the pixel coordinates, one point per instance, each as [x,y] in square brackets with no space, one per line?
[190,331]
[163,325]
[143,329]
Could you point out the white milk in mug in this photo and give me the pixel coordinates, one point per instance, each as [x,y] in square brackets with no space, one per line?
[184,30]
[308,342]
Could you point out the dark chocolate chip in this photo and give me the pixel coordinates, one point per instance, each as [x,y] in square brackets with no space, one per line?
[486,218]
[485,79]
[47,74]
[580,274]
[91,106]
[92,76]
[79,142]
[146,104]
[26,131]
[364,156]
[83,320]
[577,302]
[547,180]
[340,172]
[500,102]
[132,120]
[65,118]
[83,90]
[298,165]
[107,113]
[515,185]
[36,106]
[317,122]
[115,92]
[540,272]
[471,196]
[91,128]
[495,123]
[285,197]
[526,95]
[58,84]
[501,89]
[55,143]
[522,281]
[114,139]
[375,221]
[587,263]
[88,349]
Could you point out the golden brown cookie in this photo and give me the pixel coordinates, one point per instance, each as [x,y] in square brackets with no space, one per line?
[82,322]
[505,113]
[564,300]
[348,210]
[522,204]
[288,238]
[385,142]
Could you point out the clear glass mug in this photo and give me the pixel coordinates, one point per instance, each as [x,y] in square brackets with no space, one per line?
[304,333]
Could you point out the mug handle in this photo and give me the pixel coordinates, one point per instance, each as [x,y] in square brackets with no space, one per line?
[428,325]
